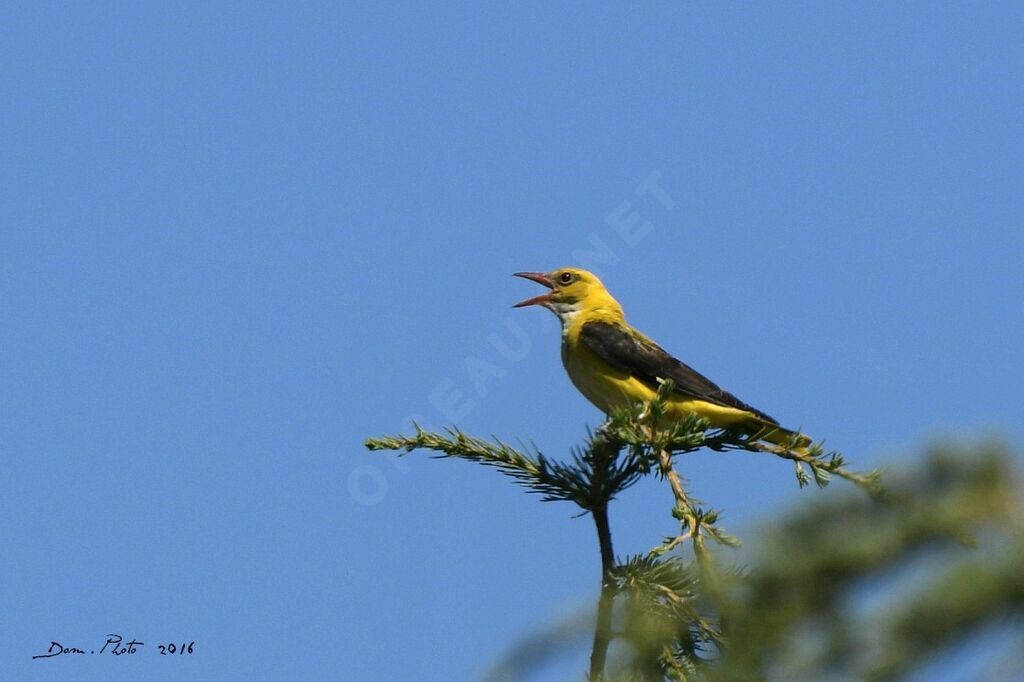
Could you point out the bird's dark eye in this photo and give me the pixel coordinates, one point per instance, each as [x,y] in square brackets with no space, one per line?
[565,278]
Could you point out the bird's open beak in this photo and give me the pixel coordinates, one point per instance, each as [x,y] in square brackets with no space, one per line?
[539,278]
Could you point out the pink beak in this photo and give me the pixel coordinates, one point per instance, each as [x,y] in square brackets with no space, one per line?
[539,278]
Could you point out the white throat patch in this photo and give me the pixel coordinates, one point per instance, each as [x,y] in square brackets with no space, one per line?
[566,312]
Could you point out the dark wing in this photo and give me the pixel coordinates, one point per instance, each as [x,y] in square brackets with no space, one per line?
[648,362]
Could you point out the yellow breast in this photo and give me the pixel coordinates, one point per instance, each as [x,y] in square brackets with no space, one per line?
[606,387]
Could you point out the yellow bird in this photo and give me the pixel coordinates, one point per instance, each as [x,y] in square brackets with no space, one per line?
[614,365]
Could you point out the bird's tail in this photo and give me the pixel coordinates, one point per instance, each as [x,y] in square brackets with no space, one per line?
[778,435]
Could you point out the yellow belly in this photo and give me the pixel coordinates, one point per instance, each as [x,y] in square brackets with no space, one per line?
[610,389]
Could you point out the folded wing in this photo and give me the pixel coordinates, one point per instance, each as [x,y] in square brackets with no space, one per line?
[648,362]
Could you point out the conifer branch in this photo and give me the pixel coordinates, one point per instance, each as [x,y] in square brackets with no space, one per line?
[553,480]
[660,591]
[606,602]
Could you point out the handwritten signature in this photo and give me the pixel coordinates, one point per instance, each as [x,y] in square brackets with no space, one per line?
[116,646]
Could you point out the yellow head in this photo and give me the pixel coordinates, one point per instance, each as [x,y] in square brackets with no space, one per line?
[573,291]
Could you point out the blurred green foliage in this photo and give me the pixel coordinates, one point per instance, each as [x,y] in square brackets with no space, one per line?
[852,588]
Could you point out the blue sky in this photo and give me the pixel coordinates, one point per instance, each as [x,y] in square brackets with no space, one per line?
[237,240]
